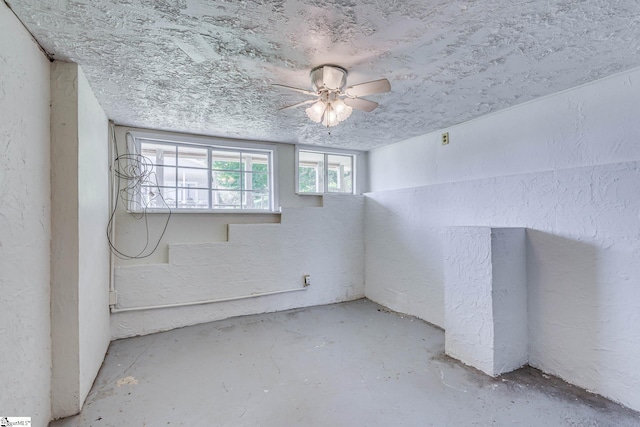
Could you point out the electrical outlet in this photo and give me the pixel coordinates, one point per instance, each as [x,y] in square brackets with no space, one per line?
[445,138]
[307,280]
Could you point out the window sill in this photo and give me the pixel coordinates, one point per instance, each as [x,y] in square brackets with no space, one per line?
[325,194]
[206,211]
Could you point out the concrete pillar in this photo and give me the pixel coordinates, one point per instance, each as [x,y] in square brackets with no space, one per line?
[486,298]
[79,251]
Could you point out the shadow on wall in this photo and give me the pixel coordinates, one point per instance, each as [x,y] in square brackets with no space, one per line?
[564,317]
[400,248]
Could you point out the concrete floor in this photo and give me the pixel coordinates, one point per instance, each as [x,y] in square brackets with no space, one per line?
[350,364]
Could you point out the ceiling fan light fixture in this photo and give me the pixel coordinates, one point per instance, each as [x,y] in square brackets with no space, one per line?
[330,117]
[343,111]
[334,103]
[316,111]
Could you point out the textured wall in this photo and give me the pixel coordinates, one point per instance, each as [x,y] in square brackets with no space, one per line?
[583,218]
[485,301]
[325,242]
[93,215]
[80,258]
[201,228]
[589,125]
[25,352]
[65,393]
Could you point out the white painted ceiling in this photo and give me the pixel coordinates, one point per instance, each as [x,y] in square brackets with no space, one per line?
[205,66]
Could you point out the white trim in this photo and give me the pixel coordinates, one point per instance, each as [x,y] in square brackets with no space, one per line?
[180,211]
[327,150]
[210,141]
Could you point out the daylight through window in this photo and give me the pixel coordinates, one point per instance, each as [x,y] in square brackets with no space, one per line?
[201,177]
[320,172]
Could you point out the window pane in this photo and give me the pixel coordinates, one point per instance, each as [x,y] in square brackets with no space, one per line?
[189,198]
[260,167]
[256,181]
[225,160]
[154,197]
[340,173]
[255,162]
[159,154]
[162,175]
[255,200]
[223,199]
[193,178]
[310,172]
[192,157]
[226,180]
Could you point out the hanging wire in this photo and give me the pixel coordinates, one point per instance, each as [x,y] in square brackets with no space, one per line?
[130,171]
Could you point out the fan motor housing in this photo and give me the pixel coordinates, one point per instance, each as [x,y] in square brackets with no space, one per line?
[328,77]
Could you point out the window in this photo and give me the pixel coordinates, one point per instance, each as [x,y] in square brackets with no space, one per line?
[199,174]
[320,172]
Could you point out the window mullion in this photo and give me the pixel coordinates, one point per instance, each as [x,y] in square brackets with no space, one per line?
[325,183]
[210,176]
[241,179]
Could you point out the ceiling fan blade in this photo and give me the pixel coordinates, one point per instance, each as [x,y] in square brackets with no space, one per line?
[361,104]
[310,101]
[295,89]
[332,77]
[369,88]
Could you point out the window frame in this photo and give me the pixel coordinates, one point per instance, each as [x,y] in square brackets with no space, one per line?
[135,138]
[355,160]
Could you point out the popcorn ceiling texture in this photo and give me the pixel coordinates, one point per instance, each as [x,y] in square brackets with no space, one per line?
[206,66]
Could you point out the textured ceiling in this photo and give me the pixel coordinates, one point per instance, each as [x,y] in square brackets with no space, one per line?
[205,66]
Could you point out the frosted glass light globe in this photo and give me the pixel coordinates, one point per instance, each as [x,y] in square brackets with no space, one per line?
[316,111]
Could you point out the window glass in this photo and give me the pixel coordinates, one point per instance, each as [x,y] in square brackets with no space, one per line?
[310,172]
[340,176]
[158,197]
[225,199]
[192,157]
[190,198]
[196,176]
[193,178]
[226,180]
[159,154]
[225,160]
[314,168]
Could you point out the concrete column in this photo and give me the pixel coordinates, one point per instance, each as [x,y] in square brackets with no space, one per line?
[79,251]
[486,298]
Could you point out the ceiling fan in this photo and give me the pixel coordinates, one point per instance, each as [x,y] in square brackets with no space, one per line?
[333,103]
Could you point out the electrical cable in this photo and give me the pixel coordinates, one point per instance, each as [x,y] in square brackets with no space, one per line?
[131,171]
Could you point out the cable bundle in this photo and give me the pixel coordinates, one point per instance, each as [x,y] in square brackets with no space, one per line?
[130,171]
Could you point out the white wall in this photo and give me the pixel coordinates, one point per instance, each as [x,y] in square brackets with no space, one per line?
[212,256]
[25,344]
[590,125]
[485,303]
[80,257]
[93,215]
[565,167]
[199,228]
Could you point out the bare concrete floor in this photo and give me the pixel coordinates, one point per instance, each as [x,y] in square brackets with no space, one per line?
[350,364]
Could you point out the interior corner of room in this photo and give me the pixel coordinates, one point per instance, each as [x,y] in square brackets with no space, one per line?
[516,230]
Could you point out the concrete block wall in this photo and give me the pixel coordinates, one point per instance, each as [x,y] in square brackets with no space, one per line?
[567,168]
[25,224]
[324,242]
